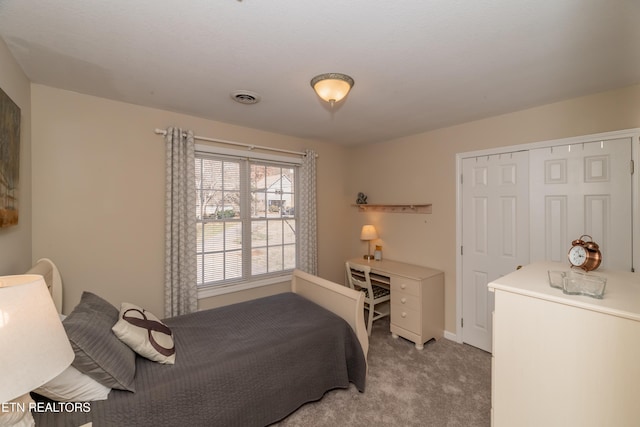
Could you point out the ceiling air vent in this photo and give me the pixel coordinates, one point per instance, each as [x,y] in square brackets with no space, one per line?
[245,97]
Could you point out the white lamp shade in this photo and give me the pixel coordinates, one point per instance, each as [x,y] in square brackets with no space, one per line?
[368,232]
[34,347]
[332,90]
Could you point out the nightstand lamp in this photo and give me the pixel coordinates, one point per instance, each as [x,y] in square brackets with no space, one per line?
[34,347]
[368,233]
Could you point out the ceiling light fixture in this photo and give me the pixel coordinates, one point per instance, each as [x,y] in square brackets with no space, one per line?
[332,87]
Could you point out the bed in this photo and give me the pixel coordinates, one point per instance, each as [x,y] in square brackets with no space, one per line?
[248,364]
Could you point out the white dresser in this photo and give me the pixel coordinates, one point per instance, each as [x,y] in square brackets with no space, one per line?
[565,360]
[417,298]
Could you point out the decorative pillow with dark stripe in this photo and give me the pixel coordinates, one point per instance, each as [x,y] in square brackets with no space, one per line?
[98,352]
[145,334]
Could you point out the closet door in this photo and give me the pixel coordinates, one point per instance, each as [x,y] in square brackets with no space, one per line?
[495,234]
[582,189]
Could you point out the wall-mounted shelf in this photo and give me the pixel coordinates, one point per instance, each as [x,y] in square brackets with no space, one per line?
[422,208]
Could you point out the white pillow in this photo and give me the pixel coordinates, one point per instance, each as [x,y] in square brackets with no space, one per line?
[17,413]
[145,334]
[73,386]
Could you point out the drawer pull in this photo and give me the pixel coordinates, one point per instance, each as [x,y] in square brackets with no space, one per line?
[403,286]
[403,300]
[404,314]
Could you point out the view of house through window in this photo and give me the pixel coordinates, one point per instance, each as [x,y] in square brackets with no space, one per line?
[246,218]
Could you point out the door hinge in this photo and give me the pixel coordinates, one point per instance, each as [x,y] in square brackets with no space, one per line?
[632,167]
[461,250]
[462,323]
[461,179]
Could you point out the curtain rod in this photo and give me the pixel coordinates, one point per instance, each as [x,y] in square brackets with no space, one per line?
[240,144]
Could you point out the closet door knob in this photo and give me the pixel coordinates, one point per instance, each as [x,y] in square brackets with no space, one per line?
[403,300]
[404,314]
[403,286]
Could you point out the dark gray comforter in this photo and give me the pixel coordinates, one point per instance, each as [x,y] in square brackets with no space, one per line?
[249,364]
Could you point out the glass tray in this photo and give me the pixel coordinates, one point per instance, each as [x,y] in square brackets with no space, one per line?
[575,282]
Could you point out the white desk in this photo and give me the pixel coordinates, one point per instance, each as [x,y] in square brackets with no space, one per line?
[417,298]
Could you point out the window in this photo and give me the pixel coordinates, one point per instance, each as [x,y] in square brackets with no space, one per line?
[246,218]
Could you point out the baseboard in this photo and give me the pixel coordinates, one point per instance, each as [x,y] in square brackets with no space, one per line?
[451,336]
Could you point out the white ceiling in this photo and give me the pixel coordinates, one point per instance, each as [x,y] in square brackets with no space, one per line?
[417,64]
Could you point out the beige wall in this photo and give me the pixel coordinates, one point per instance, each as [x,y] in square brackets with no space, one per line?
[98,194]
[98,187]
[421,169]
[15,241]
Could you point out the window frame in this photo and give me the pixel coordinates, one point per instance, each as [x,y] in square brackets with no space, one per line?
[250,282]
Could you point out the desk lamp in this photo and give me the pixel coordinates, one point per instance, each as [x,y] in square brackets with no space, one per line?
[34,347]
[368,233]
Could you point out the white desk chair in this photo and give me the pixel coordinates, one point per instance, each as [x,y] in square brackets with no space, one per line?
[374,295]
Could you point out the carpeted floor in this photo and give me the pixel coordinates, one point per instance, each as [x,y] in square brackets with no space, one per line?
[446,384]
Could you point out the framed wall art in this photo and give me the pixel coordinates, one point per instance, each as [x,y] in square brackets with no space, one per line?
[9,160]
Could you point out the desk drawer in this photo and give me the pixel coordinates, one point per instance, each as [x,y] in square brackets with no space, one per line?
[406,318]
[400,284]
[404,299]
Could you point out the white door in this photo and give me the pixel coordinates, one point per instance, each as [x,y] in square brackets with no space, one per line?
[582,189]
[495,234]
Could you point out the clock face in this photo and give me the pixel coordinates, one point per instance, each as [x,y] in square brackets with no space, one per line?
[577,255]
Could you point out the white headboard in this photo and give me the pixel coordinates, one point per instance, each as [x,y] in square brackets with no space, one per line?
[47,269]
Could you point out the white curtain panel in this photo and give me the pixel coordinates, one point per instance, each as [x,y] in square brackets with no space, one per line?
[308,240]
[181,293]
